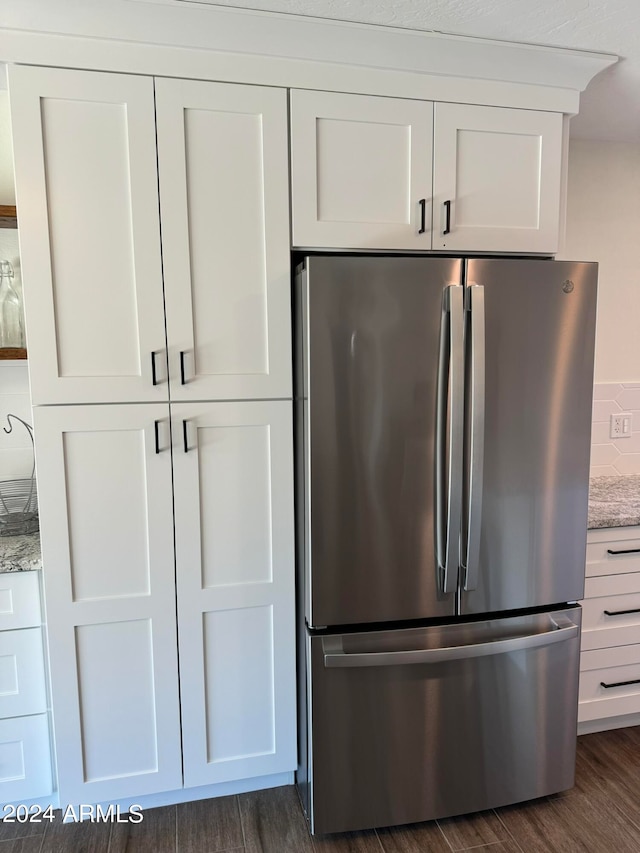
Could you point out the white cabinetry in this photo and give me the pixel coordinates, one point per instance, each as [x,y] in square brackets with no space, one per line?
[85,159]
[610,656]
[87,187]
[219,197]
[361,174]
[25,754]
[234,510]
[223,168]
[106,526]
[360,171]
[496,179]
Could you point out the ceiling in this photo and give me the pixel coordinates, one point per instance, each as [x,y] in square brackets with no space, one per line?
[610,107]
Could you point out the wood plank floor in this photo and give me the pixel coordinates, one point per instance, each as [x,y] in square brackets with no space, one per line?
[600,815]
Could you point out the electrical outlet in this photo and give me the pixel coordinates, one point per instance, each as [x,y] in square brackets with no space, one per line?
[620,425]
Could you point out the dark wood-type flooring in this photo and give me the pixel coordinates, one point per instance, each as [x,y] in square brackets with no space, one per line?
[601,814]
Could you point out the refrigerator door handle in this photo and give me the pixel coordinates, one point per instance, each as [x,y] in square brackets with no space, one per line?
[471,553]
[449,448]
[335,656]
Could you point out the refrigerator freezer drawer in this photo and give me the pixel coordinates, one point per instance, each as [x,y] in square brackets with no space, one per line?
[426,723]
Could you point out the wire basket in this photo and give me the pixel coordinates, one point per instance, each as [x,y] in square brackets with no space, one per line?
[19,498]
[18,507]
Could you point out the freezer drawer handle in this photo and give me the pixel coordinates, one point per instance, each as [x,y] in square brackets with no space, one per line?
[334,656]
[620,683]
[620,612]
[627,551]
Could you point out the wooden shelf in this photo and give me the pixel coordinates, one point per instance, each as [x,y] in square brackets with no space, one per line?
[8,216]
[12,353]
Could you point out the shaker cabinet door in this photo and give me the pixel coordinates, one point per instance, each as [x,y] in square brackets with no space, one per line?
[223,172]
[360,171]
[496,179]
[106,520]
[233,483]
[86,180]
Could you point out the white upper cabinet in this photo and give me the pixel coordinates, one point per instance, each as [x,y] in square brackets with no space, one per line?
[90,223]
[233,481]
[361,171]
[85,159]
[496,179]
[106,518]
[224,194]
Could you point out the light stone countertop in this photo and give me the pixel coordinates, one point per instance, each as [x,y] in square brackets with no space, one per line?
[20,553]
[614,501]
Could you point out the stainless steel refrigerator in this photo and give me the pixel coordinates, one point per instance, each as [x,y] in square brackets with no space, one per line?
[443,419]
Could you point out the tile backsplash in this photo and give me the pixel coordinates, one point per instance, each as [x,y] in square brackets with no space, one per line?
[615,455]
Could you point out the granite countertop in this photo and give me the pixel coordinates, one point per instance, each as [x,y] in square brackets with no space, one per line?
[20,553]
[614,501]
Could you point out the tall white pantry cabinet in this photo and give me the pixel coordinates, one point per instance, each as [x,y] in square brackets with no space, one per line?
[154,230]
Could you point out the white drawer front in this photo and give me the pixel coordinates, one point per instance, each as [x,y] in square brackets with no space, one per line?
[608,617]
[22,684]
[600,560]
[25,758]
[623,584]
[600,659]
[19,600]
[613,667]
[600,631]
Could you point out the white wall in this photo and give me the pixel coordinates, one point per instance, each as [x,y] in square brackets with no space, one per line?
[603,224]
[15,450]
[16,454]
[8,236]
[7,191]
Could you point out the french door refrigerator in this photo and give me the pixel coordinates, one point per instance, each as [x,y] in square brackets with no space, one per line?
[443,418]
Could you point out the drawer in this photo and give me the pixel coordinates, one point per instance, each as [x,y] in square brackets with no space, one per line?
[25,758]
[601,562]
[598,587]
[22,683]
[19,600]
[613,667]
[620,596]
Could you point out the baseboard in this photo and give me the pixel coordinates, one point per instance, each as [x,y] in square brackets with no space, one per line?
[608,723]
[204,792]
[170,798]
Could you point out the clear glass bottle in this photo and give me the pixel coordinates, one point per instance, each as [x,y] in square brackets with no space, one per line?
[11,317]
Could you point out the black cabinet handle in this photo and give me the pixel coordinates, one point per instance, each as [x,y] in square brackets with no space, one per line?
[627,551]
[447,210]
[154,378]
[156,429]
[423,215]
[183,381]
[619,683]
[185,437]
[620,612]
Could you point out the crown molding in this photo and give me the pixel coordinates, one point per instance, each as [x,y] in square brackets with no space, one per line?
[208,29]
